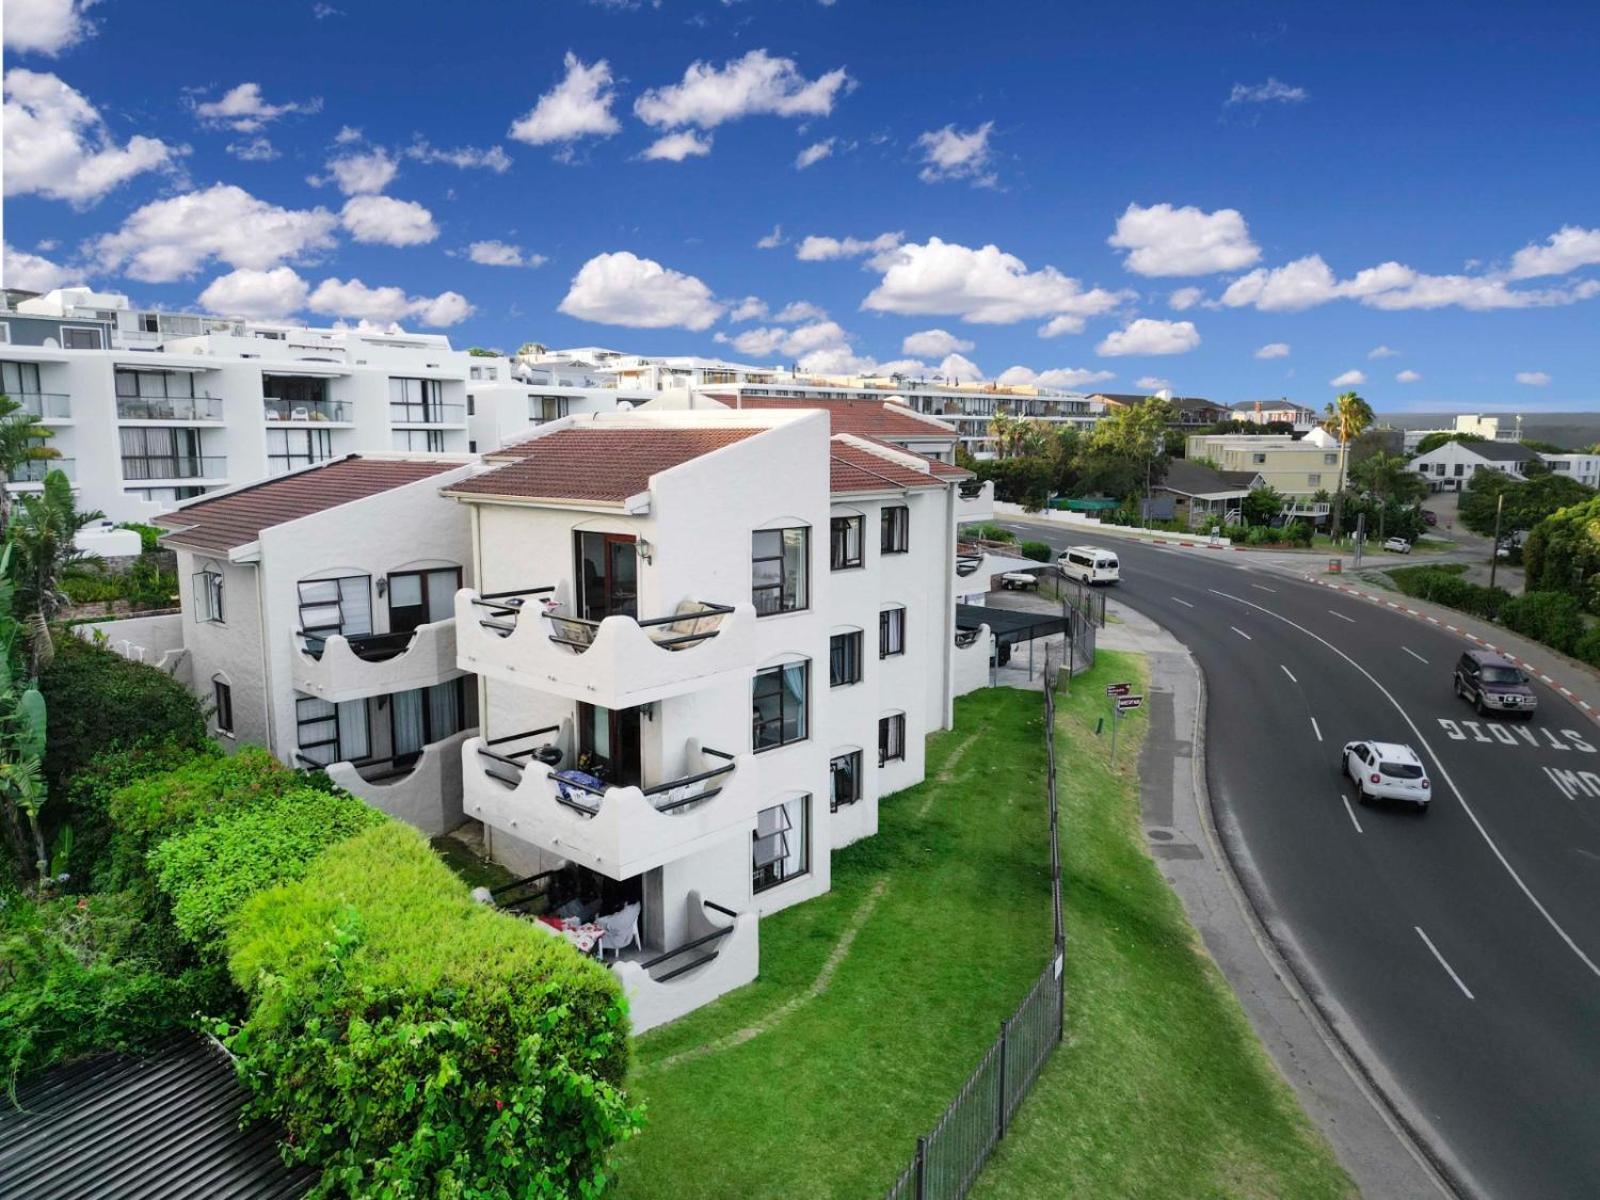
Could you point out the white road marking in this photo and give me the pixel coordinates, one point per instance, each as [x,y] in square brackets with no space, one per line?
[1415,655]
[1241,633]
[1316,729]
[1444,775]
[1341,616]
[1426,941]
[1260,588]
[1351,811]
[1289,673]
[1185,603]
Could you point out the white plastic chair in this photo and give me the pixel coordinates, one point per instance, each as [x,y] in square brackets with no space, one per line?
[300,414]
[622,930]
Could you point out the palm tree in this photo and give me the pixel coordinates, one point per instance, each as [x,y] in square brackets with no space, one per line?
[1346,418]
[22,441]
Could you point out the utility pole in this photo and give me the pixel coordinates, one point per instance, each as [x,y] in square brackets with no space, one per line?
[1494,551]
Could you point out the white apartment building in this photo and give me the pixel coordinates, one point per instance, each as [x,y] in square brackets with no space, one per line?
[1585,468]
[150,409]
[1492,429]
[1277,412]
[318,620]
[1451,466]
[705,644]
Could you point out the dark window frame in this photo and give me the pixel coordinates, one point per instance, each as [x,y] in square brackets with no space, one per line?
[894,528]
[853,772]
[770,875]
[849,643]
[802,600]
[757,723]
[222,697]
[890,636]
[212,584]
[892,738]
[839,558]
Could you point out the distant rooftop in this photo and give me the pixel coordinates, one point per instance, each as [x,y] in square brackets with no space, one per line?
[871,418]
[853,467]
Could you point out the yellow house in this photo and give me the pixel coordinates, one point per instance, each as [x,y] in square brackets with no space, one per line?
[1297,467]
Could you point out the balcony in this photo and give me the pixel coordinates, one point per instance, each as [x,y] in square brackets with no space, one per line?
[305,412]
[508,783]
[182,466]
[617,663]
[34,470]
[374,664]
[974,500]
[47,407]
[422,790]
[429,414]
[722,952]
[174,410]
[977,564]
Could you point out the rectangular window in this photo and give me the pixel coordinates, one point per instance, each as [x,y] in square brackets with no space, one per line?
[844,658]
[290,449]
[778,575]
[336,606]
[431,440]
[79,338]
[416,400]
[845,542]
[207,591]
[1258,459]
[330,733]
[779,706]
[891,632]
[1314,479]
[1330,460]
[472,405]
[895,524]
[222,695]
[892,739]
[20,377]
[844,776]
[780,847]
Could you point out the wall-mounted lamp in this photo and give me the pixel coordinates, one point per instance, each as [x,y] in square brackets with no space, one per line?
[644,550]
[383,587]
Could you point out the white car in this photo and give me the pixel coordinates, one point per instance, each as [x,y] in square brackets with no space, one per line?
[1397,545]
[1387,771]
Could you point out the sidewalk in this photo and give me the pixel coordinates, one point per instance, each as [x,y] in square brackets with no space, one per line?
[1183,840]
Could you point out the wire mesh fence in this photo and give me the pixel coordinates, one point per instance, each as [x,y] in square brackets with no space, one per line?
[949,1157]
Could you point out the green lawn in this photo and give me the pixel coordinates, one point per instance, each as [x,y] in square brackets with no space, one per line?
[788,1089]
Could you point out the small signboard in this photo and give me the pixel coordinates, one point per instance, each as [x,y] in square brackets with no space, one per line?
[1124,703]
[1118,689]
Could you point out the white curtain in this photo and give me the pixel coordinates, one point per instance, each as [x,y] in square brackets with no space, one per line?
[444,709]
[409,731]
[354,743]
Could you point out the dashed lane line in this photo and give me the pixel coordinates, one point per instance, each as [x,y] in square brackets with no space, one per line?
[1241,633]
[1351,811]
[1185,603]
[1428,942]
[1316,729]
[1289,673]
[1341,616]
[1415,655]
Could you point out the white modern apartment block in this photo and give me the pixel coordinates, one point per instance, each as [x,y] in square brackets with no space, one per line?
[1585,468]
[150,409]
[319,621]
[705,643]
[1491,429]
[1450,467]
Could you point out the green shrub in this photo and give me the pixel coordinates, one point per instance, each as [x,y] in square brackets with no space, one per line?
[100,702]
[1038,551]
[149,536]
[92,587]
[204,784]
[208,870]
[987,531]
[1443,584]
[101,853]
[1553,618]
[415,1043]
[81,975]
[1587,648]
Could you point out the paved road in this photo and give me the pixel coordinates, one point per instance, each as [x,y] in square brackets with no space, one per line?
[1458,951]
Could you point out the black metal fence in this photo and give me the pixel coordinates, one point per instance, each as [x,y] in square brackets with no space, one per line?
[950,1156]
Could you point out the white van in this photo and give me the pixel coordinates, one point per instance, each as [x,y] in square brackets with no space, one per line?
[1089,564]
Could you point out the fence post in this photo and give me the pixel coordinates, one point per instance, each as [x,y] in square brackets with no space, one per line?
[922,1157]
[1005,1030]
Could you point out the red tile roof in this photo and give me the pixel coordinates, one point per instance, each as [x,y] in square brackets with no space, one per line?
[869,418]
[600,466]
[237,518]
[853,468]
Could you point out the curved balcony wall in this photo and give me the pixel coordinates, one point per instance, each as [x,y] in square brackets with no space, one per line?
[974,501]
[349,668]
[979,572]
[427,796]
[681,982]
[622,831]
[616,663]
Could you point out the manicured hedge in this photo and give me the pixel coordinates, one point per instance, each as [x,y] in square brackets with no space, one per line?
[415,1043]
[202,785]
[1037,551]
[210,869]
[1444,585]
[1554,618]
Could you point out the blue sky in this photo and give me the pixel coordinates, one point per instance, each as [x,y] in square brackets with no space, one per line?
[1243,199]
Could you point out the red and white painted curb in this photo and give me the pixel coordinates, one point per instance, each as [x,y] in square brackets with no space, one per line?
[1588,709]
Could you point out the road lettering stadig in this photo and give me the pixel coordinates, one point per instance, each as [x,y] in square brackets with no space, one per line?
[1492,733]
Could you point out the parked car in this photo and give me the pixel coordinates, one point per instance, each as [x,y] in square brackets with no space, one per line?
[1397,545]
[1387,771]
[1493,684]
[1429,517]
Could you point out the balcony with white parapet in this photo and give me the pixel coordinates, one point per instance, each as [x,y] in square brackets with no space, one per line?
[338,667]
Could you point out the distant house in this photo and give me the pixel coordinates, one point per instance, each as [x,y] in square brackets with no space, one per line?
[1276,412]
[1202,495]
[1585,468]
[1450,467]
[1189,412]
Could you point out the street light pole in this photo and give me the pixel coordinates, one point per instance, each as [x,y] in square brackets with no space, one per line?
[1494,551]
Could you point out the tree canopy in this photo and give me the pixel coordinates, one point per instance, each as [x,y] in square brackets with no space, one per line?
[1527,501]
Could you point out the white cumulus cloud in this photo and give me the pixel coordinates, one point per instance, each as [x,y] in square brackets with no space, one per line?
[963,370]
[820,249]
[30,272]
[248,292]
[502,254]
[46,26]
[1274,350]
[1533,378]
[813,154]
[754,85]
[245,110]
[1382,352]
[354,300]
[772,240]
[675,147]
[1351,378]
[1569,248]
[171,239]
[488,158]
[256,149]
[1408,376]
[1163,240]
[1185,298]
[1152,383]
[385,221]
[1069,378]
[621,288]
[950,154]
[577,107]
[1270,92]
[933,343]
[1149,336]
[364,172]
[1309,281]
[58,146]
[986,286]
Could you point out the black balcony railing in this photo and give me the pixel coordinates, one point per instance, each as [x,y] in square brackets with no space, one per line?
[369,647]
[503,608]
[706,944]
[679,630]
[971,489]
[371,770]
[507,765]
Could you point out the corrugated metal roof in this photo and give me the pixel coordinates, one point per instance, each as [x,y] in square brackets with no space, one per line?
[237,518]
[118,1127]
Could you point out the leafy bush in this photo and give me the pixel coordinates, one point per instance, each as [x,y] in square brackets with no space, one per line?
[1444,585]
[987,531]
[99,858]
[149,536]
[208,870]
[415,1043]
[100,702]
[80,975]
[1554,618]
[196,788]
[1587,648]
[1038,551]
